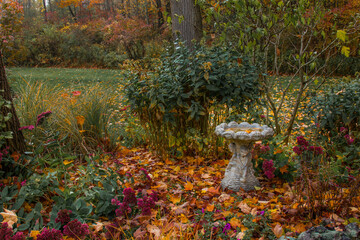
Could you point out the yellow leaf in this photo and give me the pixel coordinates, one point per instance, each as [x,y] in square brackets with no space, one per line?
[226,213]
[184,219]
[345,51]
[234,222]
[341,34]
[67,162]
[34,234]
[188,186]
[177,169]
[175,198]
[210,208]
[9,217]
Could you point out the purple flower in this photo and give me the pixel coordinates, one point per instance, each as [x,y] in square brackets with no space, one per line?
[202,210]
[343,130]
[76,229]
[23,183]
[262,116]
[261,213]
[146,204]
[227,227]
[50,234]
[63,216]
[30,127]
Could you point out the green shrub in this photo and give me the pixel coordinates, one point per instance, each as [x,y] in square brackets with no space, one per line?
[184,90]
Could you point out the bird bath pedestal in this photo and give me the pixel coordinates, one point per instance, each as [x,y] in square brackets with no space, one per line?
[239,174]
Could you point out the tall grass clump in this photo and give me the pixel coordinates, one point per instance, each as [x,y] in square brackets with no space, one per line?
[80,122]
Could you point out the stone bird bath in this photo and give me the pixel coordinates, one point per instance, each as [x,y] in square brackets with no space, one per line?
[239,174]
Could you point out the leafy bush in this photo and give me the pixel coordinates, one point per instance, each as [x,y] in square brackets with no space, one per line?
[337,114]
[185,88]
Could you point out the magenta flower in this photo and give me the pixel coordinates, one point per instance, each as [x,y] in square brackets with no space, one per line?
[146,204]
[63,216]
[23,183]
[30,127]
[129,196]
[262,116]
[269,169]
[76,229]
[19,236]
[41,117]
[50,234]
[123,209]
[227,227]
[5,231]
[343,130]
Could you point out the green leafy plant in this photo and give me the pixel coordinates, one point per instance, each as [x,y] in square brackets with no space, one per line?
[185,88]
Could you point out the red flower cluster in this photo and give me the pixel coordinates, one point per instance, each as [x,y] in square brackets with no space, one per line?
[268,168]
[146,204]
[19,236]
[63,216]
[5,232]
[123,209]
[50,234]
[76,229]
[129,196]
[303,146]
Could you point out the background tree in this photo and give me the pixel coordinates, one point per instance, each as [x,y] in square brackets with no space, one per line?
[186,20]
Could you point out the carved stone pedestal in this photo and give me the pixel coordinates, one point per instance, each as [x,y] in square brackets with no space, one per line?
[239,174]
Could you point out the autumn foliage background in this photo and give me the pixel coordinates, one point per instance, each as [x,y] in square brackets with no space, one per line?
[121,145]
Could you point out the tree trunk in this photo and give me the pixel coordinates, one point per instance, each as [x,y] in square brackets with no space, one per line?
[186,20]
[160,17]
[17,143]
[45,11]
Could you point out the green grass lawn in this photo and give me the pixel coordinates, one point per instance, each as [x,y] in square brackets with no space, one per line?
[65,77]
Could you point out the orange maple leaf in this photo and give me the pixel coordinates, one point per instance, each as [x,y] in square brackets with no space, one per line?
[189,186]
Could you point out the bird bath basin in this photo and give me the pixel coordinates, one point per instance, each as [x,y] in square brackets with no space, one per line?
[239,174]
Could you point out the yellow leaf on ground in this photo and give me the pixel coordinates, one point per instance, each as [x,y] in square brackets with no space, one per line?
[234,222]
[175,198]
[67,162]
[9,217]
[210,208]
[183,218]
[34,234]
[188,186]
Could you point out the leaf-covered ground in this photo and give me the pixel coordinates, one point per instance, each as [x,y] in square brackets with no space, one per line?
[192,205]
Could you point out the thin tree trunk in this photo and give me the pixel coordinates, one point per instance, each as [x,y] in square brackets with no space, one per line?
[160,17]
[17,143]
[45,11]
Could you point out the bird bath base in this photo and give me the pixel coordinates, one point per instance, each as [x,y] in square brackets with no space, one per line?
[239,174]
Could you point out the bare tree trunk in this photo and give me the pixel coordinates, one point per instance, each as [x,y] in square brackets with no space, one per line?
[186,20]
[160,17]
[17,143]
[45,12]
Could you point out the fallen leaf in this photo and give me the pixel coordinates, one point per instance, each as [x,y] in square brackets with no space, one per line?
[224,197]
[240,235]
[139,233]
[244,208]
[183,218]
[284,169]
[98,227]
[9,217]
[154,230]
[188,186]
[210,208]
[67,162]
[234,222]
[176,198]
[34,234]
[278,230]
